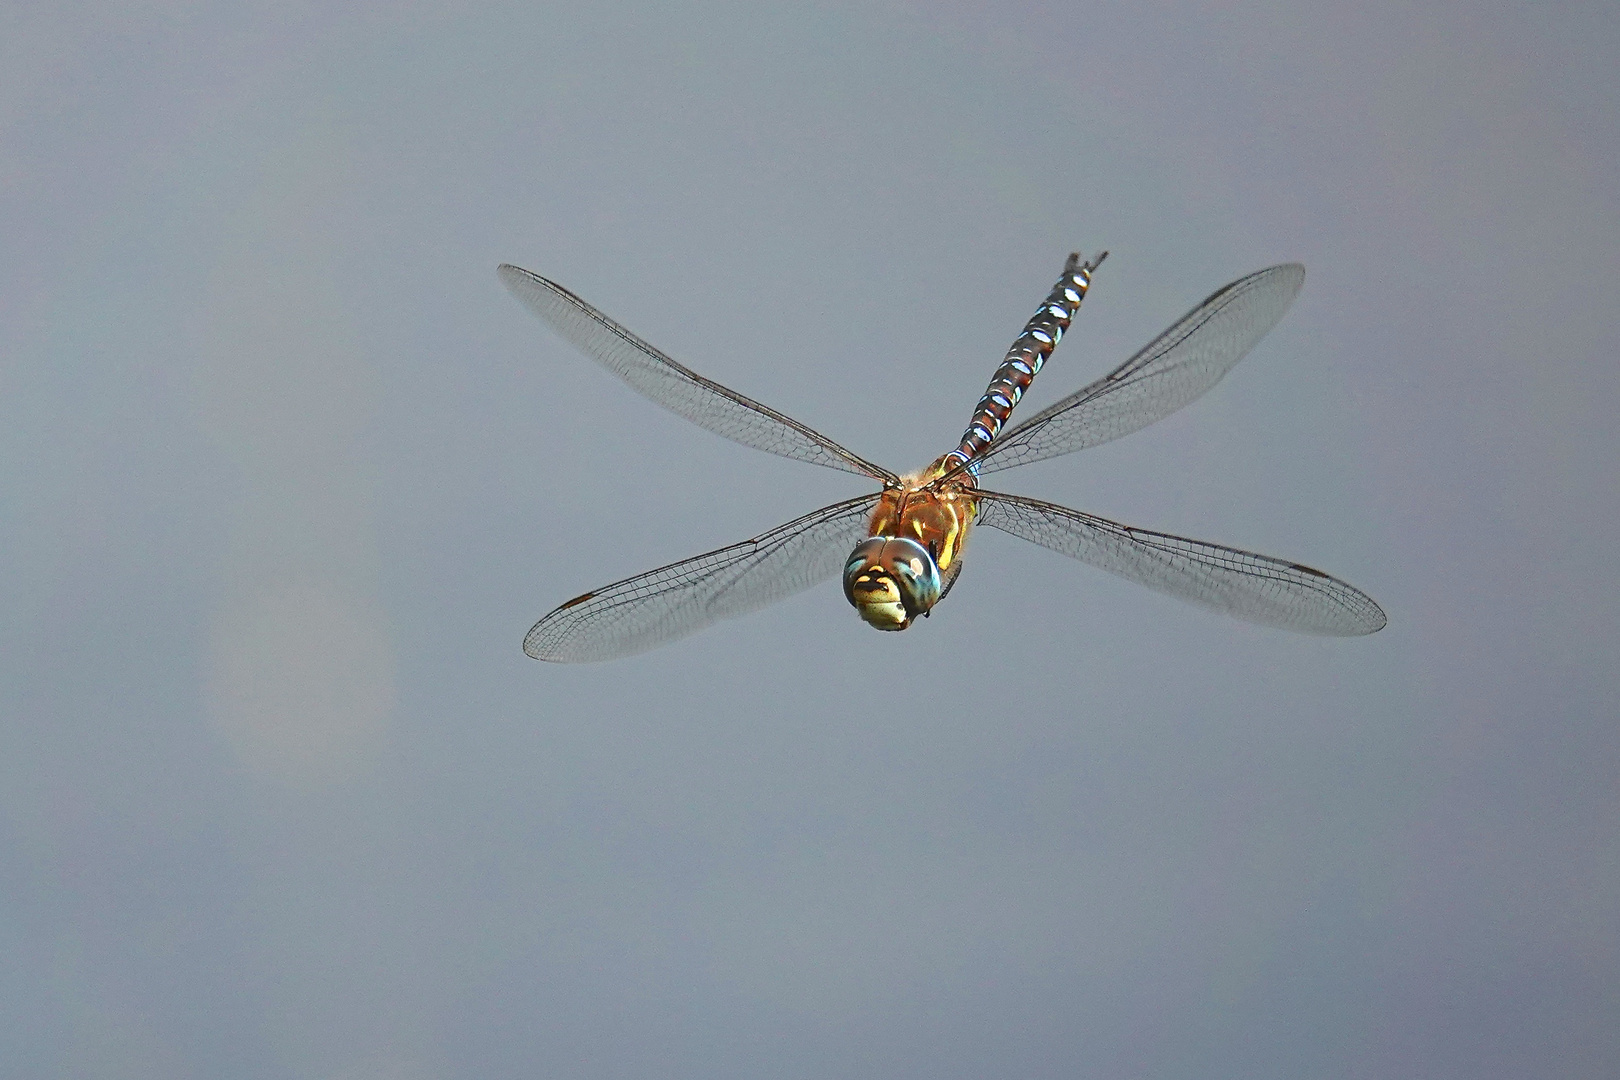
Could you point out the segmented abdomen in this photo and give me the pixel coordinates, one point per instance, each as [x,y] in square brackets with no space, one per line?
[1041,334]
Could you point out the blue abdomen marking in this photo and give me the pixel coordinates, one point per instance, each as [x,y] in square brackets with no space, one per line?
[1024,359]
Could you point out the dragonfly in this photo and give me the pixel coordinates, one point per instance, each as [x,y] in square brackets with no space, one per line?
[900,549]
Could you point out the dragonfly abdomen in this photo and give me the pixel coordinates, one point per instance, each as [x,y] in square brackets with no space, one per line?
[1024,359]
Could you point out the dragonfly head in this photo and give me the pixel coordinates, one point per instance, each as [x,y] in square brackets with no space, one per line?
[891,580]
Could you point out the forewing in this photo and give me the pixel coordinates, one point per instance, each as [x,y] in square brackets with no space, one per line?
[703,401]
[1253,587]
[1176,368]
[648,610]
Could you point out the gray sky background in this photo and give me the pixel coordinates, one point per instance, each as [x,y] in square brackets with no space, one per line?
[285,475]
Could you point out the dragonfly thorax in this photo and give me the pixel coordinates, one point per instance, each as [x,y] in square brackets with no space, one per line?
[891,580]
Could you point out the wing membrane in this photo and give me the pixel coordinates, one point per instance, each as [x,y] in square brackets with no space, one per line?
[703,401]
[1174,369]
[639,613]
[1253,587]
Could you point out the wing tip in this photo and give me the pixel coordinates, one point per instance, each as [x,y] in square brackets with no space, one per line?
[1291,272]
[1295,272]
[532,647]
[545,641]
[1364,618]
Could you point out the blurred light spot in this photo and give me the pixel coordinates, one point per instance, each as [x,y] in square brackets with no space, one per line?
[301,680]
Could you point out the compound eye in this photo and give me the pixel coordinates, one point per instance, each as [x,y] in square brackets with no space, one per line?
[868,552]
[866,561]
[914,571]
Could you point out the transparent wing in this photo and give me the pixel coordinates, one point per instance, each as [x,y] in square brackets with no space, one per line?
[703,401]
[1241,583]
[639,613]
[1176,368]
